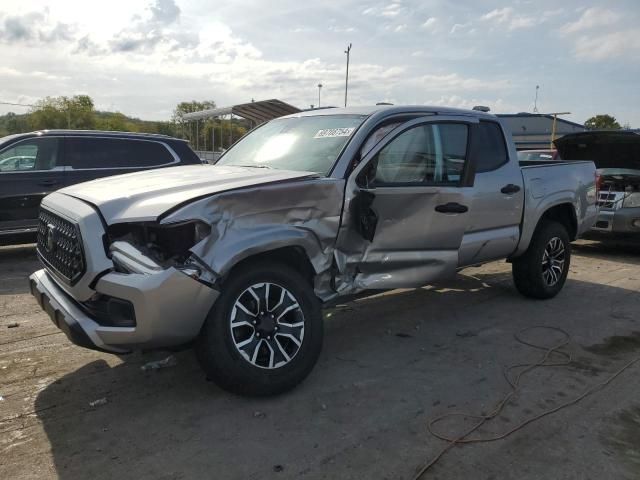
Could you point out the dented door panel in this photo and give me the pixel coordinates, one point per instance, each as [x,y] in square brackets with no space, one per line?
[413,243]
[400,236]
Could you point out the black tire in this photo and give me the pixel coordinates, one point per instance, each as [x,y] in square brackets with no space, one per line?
[529,269]
[216,346]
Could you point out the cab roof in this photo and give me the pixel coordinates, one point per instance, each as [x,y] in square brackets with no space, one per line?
[385,110]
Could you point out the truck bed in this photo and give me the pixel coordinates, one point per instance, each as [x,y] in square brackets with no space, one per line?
[556,182]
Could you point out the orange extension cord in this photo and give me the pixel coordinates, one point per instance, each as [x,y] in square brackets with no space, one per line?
[514,384]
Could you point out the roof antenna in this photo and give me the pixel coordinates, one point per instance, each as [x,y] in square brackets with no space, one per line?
[535,102]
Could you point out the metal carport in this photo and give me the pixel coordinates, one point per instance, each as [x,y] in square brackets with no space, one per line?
[256,112]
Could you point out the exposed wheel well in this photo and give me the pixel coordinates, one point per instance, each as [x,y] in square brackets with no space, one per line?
[564,214]
[294,257]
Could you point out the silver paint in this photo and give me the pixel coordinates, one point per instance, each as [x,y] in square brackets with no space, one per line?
[253,211]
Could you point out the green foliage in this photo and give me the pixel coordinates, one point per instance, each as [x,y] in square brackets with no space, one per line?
[602,122]
[189,107]
[78,112]
[13,123]
[63,112]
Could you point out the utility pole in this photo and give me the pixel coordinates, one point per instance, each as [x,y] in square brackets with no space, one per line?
[319,89]
[535,102]
[346,81]
[553,128]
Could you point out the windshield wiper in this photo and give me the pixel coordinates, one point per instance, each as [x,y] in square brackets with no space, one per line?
[254,166]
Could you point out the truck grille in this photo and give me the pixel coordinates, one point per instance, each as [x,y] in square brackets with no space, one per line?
[60,246]
[610,200]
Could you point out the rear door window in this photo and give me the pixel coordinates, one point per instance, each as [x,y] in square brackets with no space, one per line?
[85,153]
[30,155]
[488,147]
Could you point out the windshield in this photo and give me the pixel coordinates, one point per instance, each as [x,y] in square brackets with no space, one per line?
[310,144]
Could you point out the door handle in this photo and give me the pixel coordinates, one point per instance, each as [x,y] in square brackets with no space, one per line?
[48,183]
[451,207]
[509,189]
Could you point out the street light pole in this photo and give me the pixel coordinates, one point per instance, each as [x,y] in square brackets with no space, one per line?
[346,81]
[553,127]
[319,89]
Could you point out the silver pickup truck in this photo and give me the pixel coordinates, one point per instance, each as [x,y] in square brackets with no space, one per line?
[240,257]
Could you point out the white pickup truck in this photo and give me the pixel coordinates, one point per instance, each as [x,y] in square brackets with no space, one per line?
[240,257]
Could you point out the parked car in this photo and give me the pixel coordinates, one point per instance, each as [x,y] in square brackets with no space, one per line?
[544,155]
[616,155]
[35,164]
[241,256]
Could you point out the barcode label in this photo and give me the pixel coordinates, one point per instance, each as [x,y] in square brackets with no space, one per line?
[334,132]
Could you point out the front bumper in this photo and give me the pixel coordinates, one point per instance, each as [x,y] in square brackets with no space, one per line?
[169,306]
[622,220]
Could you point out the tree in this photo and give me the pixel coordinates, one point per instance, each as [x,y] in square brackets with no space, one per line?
[78,112]
[63,112]
[12,123]
[602,122]
[115,122]
[189,107]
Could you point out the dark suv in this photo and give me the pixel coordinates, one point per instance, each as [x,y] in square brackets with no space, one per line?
[32,165]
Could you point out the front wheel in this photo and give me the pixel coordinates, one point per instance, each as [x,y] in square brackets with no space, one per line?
[264,334]
[542,270]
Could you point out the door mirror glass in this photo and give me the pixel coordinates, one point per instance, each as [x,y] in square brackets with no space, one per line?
[33,154]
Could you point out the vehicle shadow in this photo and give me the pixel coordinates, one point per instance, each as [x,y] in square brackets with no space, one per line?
[388,359]
[622,250]
[16,264]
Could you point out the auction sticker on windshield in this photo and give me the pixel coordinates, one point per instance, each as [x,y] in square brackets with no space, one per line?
[334,132]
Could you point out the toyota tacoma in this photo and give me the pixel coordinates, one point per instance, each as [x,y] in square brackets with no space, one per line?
[239,258]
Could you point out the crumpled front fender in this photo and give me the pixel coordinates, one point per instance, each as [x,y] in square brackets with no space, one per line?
[249,221]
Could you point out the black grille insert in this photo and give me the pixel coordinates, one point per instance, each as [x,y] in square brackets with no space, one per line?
[60,246]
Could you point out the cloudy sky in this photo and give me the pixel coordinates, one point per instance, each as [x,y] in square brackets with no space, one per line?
[143,57]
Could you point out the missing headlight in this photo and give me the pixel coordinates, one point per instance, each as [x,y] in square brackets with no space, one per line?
[166,244]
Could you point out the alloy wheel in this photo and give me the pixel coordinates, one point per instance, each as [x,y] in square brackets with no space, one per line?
[553,261]
[267,325]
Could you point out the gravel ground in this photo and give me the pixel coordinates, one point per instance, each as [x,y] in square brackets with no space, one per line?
[390,363]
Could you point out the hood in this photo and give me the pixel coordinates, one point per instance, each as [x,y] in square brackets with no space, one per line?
[607,149]
[145,195]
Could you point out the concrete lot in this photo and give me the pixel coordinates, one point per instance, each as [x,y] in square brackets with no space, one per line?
[390,363]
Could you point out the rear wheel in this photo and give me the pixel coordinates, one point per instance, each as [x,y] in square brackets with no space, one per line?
[264,333]
[542,271]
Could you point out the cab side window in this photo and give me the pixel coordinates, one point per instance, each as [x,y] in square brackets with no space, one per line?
[489,147]
[430,154]
[30,155]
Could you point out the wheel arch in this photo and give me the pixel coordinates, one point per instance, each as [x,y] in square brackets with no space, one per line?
[563,212]
[293,256]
